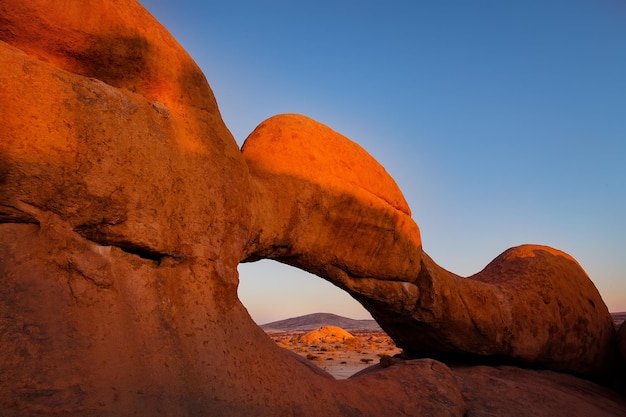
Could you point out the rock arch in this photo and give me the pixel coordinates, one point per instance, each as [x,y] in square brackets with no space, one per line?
[126,206]
[331,209]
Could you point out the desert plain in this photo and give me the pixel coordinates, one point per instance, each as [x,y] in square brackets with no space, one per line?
[340,356]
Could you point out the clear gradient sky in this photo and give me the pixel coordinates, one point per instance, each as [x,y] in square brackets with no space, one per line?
[503,122]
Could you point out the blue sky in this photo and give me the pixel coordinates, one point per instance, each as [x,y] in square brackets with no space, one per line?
[502,122]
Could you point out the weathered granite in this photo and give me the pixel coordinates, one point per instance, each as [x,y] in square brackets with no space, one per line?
[126,206]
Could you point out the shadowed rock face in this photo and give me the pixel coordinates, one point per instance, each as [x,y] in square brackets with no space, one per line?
[514,392]
[126,206]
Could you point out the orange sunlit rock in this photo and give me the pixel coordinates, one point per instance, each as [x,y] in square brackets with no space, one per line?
[323,197]
[295,145]
[126,206]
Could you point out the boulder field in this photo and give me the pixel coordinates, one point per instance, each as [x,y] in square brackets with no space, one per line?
[126,206]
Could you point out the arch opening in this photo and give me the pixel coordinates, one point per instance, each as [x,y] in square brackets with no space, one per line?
[312,317]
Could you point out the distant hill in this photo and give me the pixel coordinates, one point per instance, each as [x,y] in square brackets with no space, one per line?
[317,320]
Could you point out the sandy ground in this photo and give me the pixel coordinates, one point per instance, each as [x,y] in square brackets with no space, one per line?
[337,357]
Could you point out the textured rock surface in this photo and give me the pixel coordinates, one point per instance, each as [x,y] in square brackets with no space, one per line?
[532,304]
[125,207]
[514,392]
[111,125]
